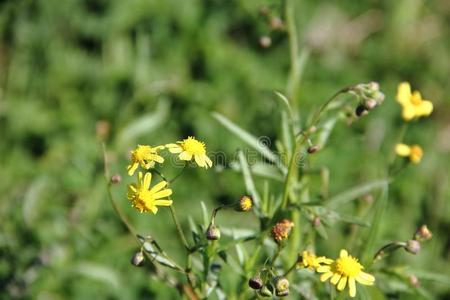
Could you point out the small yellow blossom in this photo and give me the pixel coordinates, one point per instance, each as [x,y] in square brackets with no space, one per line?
[190,149]
[146,156]
[412,103]
[345,271]
[310,261]
[414,152]
[146,199]
[245,203]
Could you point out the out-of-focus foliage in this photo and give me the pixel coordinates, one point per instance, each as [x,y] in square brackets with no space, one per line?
[74,73]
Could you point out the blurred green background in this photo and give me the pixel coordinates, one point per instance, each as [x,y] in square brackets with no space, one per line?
[76,72]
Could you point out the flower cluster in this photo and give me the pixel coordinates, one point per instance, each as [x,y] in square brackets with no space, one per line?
[142,196]
[413,107]
[343,271]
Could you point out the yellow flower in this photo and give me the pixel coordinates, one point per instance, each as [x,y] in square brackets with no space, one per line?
[412,103]
[245,203]
[191,148]
[146,156]
[146,199]
[345,271]
[414,152]
[310,261]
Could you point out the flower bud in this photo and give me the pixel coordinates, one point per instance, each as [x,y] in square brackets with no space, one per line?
[138,259]
[281,286]
[280,231]
[276,23]
[213,233]
[370,104]
[116,178]
[265,292]
[369,94]
[414,281]
[265,41]
[423,233]
[255,283]
[412,246]
[316,221]
[313,149]
[245,203]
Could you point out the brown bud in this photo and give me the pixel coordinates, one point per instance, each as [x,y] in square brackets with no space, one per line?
[414,281]
[102,129]
[313,149]
[316,221]
[280,231]
[116,178]
[423,233]
[413,246]
[255,283]
[276,23]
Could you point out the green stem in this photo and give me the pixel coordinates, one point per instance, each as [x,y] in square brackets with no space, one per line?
[292,268]
[179,174]
[179,229]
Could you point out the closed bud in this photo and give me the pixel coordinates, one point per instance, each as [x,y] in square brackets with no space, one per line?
[316,221]
[423,233]
[245,203]
[280,231]
[265,292]
[370,104]
[414,281]
[138,259]
[213,233]
[265,41]
[413,246]
[281,286]
[116,178]
[313,149]
[255,283]
[276,23]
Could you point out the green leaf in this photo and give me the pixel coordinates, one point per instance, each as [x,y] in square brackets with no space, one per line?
[436,277]
[99,273]
[355,192]
[143,125]
[251,140]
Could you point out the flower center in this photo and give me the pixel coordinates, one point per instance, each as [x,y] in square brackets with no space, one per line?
[348,266]
[193,146]
[416,98]
[142,153]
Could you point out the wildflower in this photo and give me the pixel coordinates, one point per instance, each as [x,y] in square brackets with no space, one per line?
[414,152]
[191,148]
[146,156]
[310,261]
[281,286]
[280,231]
[423,233]
[144,198]
[344,271]
[412,103]
[245,203]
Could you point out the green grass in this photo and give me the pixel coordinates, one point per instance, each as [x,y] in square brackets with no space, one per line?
[155,71]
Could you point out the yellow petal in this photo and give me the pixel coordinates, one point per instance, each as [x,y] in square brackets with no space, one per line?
[323,269]
[132,168]
[200,160]
[342,283]
[158,187]
[163,202]
[153,209]
[343,253]
[424,109]
[334,280]
[162,194]
[185,156]
[158,159]
[365,278]
[174,148]
[147,180]
[352,287]
[404,93]
[402,150]
[325,276]
[208,161]
[408,112]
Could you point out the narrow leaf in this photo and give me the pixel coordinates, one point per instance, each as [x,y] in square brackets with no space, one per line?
[355,192]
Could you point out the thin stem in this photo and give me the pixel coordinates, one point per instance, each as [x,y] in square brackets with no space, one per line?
[179,174]
[179,229]
[292,268]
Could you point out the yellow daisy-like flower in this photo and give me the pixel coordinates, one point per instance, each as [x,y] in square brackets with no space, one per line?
[146,156]
[146,199]
[412,103]
[190,149]
[310,261]
[345,270]
[414,152]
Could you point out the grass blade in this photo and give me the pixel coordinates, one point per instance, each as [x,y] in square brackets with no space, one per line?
[248,179]
[355,192]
